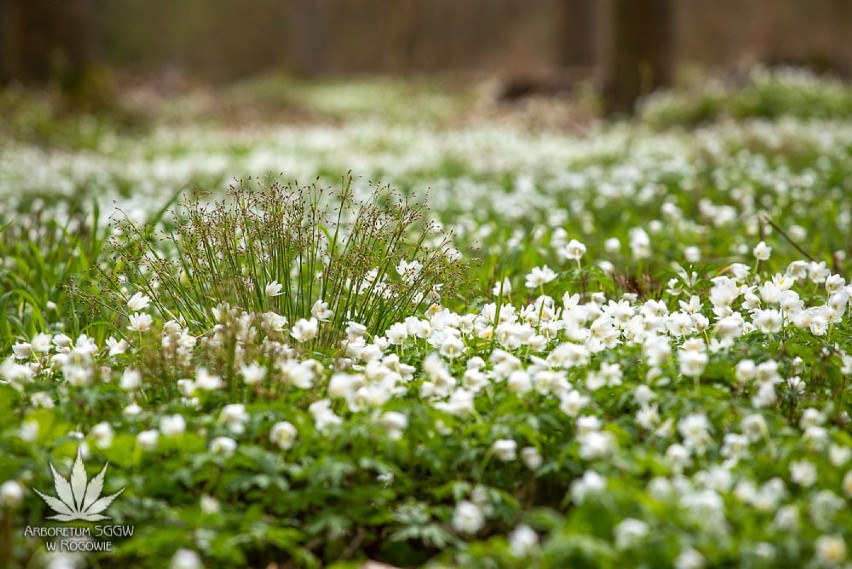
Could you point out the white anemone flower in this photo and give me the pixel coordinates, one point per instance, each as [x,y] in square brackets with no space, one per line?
[138,302]
[274,289]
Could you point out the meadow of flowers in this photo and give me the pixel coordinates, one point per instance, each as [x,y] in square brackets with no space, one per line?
[446,342]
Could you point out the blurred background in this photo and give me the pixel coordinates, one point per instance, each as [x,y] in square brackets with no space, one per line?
[92,51]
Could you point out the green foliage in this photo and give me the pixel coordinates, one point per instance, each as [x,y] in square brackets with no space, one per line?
[45,256]
[763,94]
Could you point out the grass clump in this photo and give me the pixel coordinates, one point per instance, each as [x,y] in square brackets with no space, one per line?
[313,257]
[763,93]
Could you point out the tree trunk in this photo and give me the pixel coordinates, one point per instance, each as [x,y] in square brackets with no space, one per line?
[577,20]
[401,39]
[46,40]
[640,52]
[308,23]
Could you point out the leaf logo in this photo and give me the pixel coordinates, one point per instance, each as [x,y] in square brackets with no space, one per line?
[77,498]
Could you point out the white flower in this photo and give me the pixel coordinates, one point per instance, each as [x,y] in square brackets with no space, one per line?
[223,445]
[519,381]
[590,483]
[305,330]
[569,355]
[186,387]
[207,382]
[344,384]
[274,289]
[630,533]
[692,362]
[846,360]
[252,373]
[693,428]
[803,473]
[234,417]
[395,423]
[640,243]
[532,458]
[678,457]
[838,455]
[746,370]
[573,251]
[409,271]
[321,312]
[324,417]
[22,350]
[505,285]
[209,504]
[724,292]
[847,484]
[754,426]
[42,399]
[692,254]
[11,494]
[505,449]
[103,434]
[823,507]
[140,322]
[301,375]
[834,283]
[612,245]
[644,395]
[62,341]
[40,343]
[522,541]
[811,418]
[468,517]
[283,434]
[147,440]
[818,326]
[185,559]
[397,333]
[29,430]
[540,276]
[768,321]
[770,292]
[138,302]
[818,272]
[171,425]
[355,330]
[572,403]
[116,347]
[648,416]
[273,322]
[596,444]
[830,549]
[761,251]
[734,446]
[131,379]
[132,410]
[689,559]
[77,375]
[787,518]
[452,347]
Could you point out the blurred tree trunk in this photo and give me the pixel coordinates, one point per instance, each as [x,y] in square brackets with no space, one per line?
[577,20]
[50,41]
[402,36]
[5,74]
[308,27]
[639,57]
